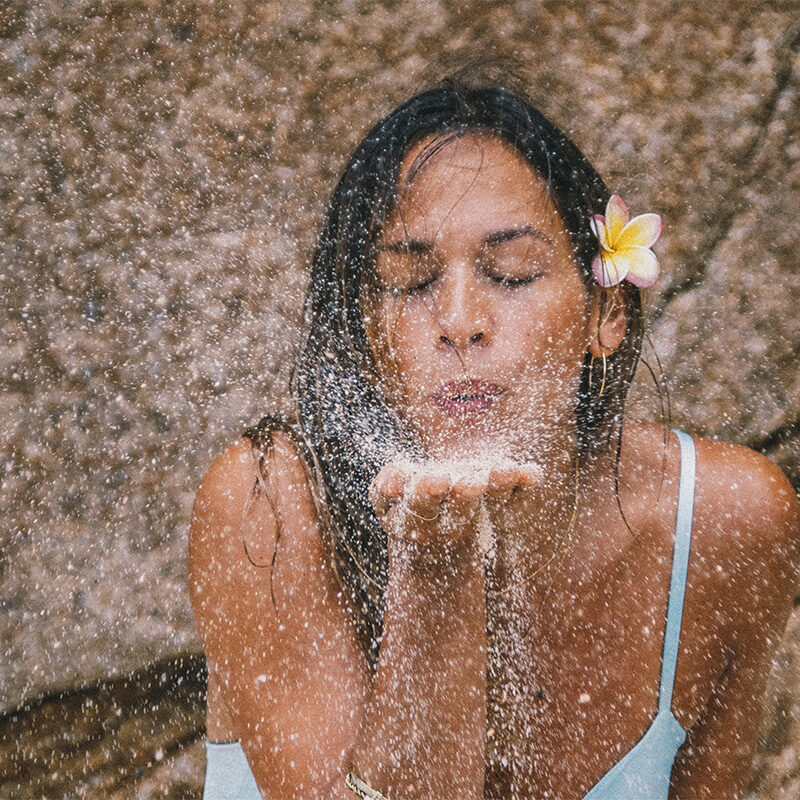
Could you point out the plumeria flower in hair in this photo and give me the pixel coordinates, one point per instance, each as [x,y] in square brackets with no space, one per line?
[625,244]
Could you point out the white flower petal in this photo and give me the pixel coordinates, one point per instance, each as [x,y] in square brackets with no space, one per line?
[598,226]
[609,268]
[642,265]
[617,216]
[641,231]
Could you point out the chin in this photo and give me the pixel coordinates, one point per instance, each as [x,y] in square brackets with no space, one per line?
[468,437]
[536,434]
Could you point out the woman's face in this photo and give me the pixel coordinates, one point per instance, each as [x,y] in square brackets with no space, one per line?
[478,317]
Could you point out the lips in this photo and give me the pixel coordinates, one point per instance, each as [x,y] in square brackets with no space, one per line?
[467,396]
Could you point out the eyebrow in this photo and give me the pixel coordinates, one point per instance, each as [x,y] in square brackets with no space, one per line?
[421,246]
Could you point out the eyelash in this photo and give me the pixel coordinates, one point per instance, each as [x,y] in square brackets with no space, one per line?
[420,287]
[508,283]
[512,283]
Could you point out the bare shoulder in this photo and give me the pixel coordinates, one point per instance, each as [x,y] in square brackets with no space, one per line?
[747,495]
[225,485]
[747,520]
[237,483]
[747,489]
[254,524]
[235,472]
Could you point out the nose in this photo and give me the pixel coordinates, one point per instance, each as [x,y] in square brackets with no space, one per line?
[464,313]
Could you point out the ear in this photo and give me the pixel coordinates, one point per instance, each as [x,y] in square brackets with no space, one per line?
[608,321]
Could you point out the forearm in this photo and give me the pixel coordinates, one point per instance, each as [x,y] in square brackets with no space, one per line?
[424,731]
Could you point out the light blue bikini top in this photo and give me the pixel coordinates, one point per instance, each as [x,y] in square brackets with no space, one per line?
[642,774]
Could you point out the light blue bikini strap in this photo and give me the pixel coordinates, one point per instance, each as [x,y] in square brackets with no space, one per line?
[680,564]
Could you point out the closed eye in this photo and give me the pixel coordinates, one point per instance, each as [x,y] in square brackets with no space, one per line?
[420,286]
[398,291]
[513,282]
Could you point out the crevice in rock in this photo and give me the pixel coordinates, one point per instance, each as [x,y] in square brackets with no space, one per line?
[104,737]
[696,272]
[775,438]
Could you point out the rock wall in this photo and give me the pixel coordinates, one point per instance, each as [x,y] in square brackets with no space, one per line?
[163,169]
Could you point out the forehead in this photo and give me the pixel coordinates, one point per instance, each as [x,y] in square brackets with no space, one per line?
[477,175]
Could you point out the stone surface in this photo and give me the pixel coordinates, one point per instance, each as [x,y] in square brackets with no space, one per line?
[134,737]
[163,169]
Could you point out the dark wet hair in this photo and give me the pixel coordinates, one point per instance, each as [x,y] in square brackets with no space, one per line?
[344,425]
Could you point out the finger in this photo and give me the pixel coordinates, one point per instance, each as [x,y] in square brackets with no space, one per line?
[527,492]
[501,483]
[393,481]
[386,488]
[531,474]
[464,499]
[468,487]
[529,477]
[427,494]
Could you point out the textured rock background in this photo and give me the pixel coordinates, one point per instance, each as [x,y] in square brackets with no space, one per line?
[163,168]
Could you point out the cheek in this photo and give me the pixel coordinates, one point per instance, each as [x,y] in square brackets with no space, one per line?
[402,327]
[551,323]
[414,362]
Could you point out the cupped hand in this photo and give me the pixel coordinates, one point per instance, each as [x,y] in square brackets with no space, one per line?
[432,508]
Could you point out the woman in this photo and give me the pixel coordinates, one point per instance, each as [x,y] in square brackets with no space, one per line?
[450,575]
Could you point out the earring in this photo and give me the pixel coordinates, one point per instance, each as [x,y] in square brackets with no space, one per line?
[603,381]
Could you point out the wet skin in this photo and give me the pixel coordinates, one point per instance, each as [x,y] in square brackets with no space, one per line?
[475,279]
[590,625]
